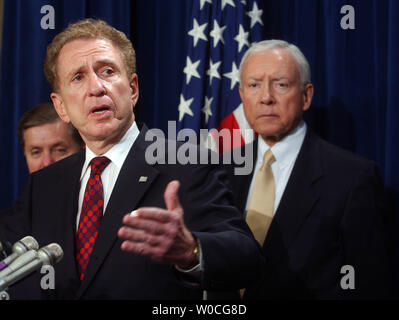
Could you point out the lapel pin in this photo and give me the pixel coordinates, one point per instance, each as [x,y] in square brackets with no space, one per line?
[143,179]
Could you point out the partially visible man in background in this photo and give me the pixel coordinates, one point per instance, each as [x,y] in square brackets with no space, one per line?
[45,138]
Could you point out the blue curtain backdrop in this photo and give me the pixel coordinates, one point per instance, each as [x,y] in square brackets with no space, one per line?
[355,72]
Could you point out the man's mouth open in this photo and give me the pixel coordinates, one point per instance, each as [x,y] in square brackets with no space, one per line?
[100,111]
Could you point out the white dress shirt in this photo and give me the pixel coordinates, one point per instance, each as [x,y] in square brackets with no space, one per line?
[117,154]
[285,152]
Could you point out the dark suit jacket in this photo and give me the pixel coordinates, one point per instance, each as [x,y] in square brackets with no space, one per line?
[330,215]
[47,210]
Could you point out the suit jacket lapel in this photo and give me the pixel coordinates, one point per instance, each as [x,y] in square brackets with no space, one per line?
[65,225]
[120,204]
[73,179]
[300,195]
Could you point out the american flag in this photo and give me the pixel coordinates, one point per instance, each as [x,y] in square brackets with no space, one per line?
[220,33]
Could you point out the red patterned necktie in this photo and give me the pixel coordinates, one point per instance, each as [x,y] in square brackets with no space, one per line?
[91,215]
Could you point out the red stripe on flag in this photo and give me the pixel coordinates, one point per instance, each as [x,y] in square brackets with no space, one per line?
[228,138]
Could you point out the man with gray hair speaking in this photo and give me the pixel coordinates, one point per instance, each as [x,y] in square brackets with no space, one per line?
[315,209]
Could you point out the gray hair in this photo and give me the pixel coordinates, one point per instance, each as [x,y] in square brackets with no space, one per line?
[266,45]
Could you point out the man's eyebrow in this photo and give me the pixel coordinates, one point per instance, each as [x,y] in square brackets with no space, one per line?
[105,62]
[273,79]
[59,144]
[99,63]
[75,71]
[34,147]
[279,78]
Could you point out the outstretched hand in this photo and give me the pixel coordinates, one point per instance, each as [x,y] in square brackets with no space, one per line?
[160,234]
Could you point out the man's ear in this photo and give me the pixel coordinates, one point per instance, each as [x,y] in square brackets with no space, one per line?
[59,106]
[307,96]
[134,86]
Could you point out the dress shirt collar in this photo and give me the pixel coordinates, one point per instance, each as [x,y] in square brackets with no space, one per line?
[118,153]
[286,150]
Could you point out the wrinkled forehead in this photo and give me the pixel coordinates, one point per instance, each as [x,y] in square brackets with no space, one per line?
[82,48]
[48,132]
[81,51]
[276,61]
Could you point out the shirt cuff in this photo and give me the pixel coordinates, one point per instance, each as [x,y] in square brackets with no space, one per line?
[196,271]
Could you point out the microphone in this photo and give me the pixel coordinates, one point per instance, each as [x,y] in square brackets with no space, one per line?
[19,262]
[25,244]
[48,255]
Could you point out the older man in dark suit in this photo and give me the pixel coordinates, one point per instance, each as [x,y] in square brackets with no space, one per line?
[181,232]
[316,209]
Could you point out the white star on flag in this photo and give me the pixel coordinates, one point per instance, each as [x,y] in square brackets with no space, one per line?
[255,14]
[191,70]
[228,28]
[217,33]
[197,32]
[230,2]
[242,38]
[234,76]
[184,107]
[203,2]
[212,72]
[207,108]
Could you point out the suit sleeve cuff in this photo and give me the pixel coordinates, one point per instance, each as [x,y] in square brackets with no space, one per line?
[193,276]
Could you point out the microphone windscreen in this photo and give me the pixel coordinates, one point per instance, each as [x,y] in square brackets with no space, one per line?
[30,243]
[54,253]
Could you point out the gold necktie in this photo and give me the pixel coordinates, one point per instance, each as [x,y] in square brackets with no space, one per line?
[261,205]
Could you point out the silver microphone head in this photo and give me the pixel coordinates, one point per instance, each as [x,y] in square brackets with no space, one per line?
[25,244]
[51,254]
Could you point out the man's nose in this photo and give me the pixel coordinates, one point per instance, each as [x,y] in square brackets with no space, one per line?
[267,96]
[96,86]
[47,159]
